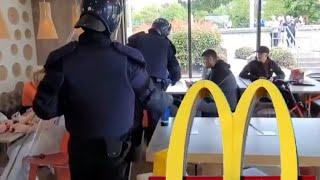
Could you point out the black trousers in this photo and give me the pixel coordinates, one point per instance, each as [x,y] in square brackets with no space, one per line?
[88,160]
[154,118]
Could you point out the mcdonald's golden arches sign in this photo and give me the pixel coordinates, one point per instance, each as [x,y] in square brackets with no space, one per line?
[234,127]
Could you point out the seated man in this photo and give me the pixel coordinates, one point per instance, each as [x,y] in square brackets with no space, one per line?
[223,77]
[262,67]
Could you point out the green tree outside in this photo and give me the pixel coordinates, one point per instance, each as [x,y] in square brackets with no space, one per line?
[202,39]
[200,15]
[273,8]
[174,12]
[148,14]
[238,10]
[239,13]
[208,5]
[309,9]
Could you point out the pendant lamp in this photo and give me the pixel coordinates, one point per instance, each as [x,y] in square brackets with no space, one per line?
[4,33]
[76,15]
[75,12]
[46,28]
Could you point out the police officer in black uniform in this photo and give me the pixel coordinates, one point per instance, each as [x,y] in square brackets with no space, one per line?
[162,65]
[159,53]
[94,84]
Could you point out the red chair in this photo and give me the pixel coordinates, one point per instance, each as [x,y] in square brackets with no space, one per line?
[297,110]
[311,100]
[146,118]
[58,161]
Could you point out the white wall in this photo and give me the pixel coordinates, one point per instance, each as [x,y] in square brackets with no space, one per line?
[8,58]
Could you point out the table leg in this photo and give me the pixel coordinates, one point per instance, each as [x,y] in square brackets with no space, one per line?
[310,171]
[309,105]
[317,170]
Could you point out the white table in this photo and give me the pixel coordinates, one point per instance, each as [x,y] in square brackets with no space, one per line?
[242,83]
[306,91]
[181,88]
[206,146]
[297,89]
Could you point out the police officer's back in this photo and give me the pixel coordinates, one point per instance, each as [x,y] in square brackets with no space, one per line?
[94,83]
[158,51]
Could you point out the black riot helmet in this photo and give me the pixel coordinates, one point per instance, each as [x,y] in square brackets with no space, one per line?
[100,15]
[162,26]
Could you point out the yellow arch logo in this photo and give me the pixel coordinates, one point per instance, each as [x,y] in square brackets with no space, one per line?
[234,128]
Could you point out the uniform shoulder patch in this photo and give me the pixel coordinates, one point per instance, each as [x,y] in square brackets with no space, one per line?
[57,54]
[132,53]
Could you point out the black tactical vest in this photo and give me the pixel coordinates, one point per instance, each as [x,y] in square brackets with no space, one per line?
[98,98]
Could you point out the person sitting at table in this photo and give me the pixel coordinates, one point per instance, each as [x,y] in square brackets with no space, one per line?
[24,123]
[262,67]
[40,138]
[223,77]
[30,88]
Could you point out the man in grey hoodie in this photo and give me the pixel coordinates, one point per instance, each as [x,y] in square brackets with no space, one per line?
[223,77]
